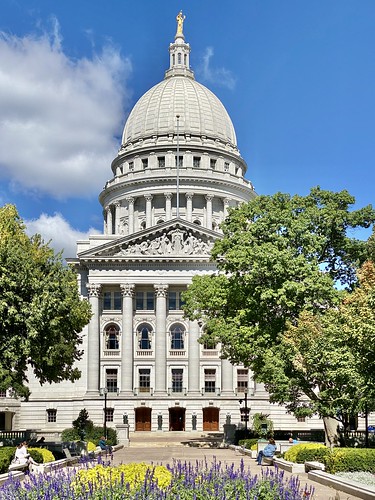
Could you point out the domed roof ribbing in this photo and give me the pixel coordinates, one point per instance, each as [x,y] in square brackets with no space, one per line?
[200,112]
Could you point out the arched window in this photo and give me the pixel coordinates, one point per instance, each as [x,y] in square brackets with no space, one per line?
[177,336]
[143,224]
[144,333]
[179,58]
[197,222]
[112,334]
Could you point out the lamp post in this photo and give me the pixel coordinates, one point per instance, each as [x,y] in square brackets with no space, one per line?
[245,410]
[104,392]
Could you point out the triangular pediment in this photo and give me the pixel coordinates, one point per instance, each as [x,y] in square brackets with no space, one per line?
[175,239]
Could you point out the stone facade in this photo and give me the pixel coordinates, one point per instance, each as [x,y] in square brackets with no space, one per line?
[177,172]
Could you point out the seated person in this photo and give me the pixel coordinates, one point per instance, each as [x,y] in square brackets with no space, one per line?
[22,455]
[268,451]
[104,446]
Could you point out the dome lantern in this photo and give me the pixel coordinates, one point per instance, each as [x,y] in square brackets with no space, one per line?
[179,53]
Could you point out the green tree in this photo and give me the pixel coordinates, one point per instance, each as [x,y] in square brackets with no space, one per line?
[41,314]
[279,256]
[82,424]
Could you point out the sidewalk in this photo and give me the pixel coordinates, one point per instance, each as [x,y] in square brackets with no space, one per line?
[162,449]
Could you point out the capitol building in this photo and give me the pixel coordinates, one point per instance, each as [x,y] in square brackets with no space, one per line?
[176,174]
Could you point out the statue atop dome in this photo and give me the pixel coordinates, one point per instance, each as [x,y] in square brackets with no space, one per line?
[180,22]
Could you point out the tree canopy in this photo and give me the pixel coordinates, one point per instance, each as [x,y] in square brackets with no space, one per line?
[283,261]
[41,314]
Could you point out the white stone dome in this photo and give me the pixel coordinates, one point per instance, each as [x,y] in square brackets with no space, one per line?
[201,112]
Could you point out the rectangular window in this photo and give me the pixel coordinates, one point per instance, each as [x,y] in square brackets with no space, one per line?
[144,163]
[242,380]
[196,161]
[301,419]
[177,380]
[226,167]
[209,380]
[175,301]
[213,164]
[145,301]
[131,165]
[109,414]
[111,379]
[3,394]
[144,379]
[112,301]
[180,162]
[161,161]
[51,415]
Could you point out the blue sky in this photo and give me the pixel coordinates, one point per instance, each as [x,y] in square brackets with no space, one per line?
[297,78]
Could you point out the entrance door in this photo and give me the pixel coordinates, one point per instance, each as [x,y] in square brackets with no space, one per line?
[143,419]
[210,419]
[176,419]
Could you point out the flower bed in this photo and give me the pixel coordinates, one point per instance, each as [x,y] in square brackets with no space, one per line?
[143,481]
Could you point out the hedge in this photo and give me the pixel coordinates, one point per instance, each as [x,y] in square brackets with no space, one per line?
[6,456]
[304,452]
[350,460]
[248,443]
[45,455]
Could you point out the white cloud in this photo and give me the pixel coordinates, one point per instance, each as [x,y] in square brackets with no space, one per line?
[56,230]
[218,76]
[59,116]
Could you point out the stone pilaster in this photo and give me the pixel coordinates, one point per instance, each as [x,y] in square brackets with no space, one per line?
[109,219]
[194,353]
[226,377]
[161,292]
[226,202]
[116,216]
[127,339]
[93,340]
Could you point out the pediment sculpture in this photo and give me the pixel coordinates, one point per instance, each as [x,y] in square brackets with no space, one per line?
[175,242]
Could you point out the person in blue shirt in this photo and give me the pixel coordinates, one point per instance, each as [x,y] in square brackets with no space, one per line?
[268,451]
[104,446]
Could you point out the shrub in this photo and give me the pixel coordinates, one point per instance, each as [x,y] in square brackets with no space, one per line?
[70,434]
[350,460]
[36,454]
[6,456]
[300,453]
[46,455]
[91,446]
[97,432]
[248,443]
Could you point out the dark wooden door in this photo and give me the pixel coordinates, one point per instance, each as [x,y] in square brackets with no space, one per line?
[210,419]
[176,419]
[143,419]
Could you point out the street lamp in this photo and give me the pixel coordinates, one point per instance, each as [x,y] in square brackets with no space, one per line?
[104,392]
[245,410]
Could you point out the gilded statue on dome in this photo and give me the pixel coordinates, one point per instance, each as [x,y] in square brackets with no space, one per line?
[180,22]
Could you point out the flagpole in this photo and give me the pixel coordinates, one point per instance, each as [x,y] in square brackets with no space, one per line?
[178,168]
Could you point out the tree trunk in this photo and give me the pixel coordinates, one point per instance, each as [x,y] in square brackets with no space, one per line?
[331,433]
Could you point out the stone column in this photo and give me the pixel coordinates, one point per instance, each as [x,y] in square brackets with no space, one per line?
[209,198]
[226,377]
[127,339]
[109,219]
[161,339]
[148,198]
[168,206]
[116,216]
[194,351]
[226,202]
[189,206]
[130,201]
[93,339]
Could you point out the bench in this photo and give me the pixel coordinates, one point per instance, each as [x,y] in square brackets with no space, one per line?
[314,466]
[268,460]
[71,459]
[18,467]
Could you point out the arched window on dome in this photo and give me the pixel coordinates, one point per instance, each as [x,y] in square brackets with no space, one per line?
[112,335]
[160,221]
[185,59]
[177,332]
[144,334]
[143,224]
[197,222]
[173,59]
[179,60]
